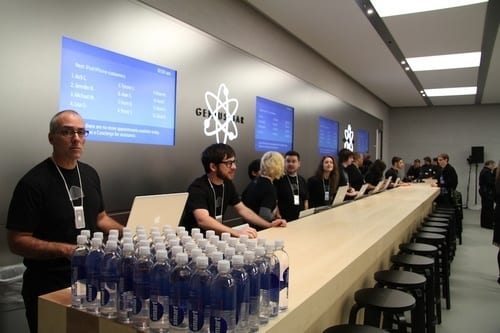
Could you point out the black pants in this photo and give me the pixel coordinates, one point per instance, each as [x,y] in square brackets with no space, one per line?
[38,282]
[487,211]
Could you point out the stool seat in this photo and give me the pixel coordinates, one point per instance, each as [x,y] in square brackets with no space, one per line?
[404,279]
[412,260]
[437,219]
[353,328]
[435,224]
[385,299]
[418,248]
[430,236]
[435,230]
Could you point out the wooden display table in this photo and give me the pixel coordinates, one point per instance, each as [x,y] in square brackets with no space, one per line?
[332,254]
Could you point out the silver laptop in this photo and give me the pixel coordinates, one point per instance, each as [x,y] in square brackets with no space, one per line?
[361,192]
[386,184]
[157,210]
[378,187]
[397,182]
[339,197]
[306,212]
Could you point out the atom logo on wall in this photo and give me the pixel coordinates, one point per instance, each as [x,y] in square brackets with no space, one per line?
[222,114]
[349,138]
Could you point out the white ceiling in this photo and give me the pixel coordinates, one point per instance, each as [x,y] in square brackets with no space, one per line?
[340,31]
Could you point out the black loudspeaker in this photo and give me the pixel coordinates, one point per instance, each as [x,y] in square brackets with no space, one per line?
[477,154]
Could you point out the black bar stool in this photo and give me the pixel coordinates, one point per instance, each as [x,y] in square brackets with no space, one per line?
[439,241]
[382,303]
[425,266]
[351,328]
[450,236]
[412,283]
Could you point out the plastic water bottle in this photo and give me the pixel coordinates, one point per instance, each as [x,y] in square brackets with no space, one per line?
[274,279]
[142,285]
[179,294]
[160,287]
[93,268]
[126,284]
[240,277]
[223,300]
[78,272]
[110,277]
[199,297]
[263,267]
[282,256]
[254,291]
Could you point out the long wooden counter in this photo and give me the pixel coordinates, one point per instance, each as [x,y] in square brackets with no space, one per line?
[332,254]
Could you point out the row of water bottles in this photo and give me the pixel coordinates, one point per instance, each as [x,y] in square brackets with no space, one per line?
[172,281]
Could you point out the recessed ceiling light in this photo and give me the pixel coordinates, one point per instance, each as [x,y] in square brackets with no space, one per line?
[451,91]
[403,62]
[369,11]
[407,68]
[400,7]
[446,61]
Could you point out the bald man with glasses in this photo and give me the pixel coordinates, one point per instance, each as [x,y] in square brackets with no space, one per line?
[51,204]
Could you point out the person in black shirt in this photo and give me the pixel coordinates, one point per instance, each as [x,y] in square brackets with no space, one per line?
[50,205]
[427,169]
[447,182]
[496,224]
[291,189]
[367,162]
[211,194]
[262,197]
[356,179]
[323,185]
[393,172]
[375,174]
[253,173]
[414,170]
[487,193]
[345,159]
[436,168]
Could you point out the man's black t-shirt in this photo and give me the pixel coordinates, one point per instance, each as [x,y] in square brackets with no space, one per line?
[204,195]
[286,188]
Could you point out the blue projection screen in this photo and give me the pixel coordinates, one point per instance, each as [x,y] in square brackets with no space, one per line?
[328,136]
[363,141]
[273,126]
[122,99]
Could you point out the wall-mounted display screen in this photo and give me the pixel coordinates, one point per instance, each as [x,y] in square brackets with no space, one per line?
[122,99]
[363,141]
[273,126]
[328,136]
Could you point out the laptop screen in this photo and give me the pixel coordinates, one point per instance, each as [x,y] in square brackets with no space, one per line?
[157,210]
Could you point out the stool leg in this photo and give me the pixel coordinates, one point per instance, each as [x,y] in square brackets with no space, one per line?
[354,313]
[372,316]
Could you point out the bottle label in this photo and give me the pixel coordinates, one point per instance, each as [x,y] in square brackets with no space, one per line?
[284,280]
[196,320]
[176,315]
[218,325]
[91,292]
[156,311]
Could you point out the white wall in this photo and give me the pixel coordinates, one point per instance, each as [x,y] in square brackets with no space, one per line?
[420,132]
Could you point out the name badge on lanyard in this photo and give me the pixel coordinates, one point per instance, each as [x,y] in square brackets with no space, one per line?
[327,195]
[79,217]
[296,199]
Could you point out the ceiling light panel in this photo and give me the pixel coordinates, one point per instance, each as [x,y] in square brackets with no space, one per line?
[387,8]
[459,91]
[447,61]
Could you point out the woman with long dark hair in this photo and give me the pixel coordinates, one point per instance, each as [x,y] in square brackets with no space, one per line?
[323,185]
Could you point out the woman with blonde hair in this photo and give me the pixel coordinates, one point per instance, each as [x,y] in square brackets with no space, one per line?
[261,197]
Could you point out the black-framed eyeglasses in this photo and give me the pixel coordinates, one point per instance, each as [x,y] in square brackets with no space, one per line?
[69,132]
[229,163]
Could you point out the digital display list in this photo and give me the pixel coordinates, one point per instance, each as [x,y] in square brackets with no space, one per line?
[121,99]
[363,141]
[328,136]
[273,126]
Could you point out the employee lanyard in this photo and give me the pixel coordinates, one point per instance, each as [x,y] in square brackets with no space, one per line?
[66,185]
[215,200]
[291,186]
[326,185]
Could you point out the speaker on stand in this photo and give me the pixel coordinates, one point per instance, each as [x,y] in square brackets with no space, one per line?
[476,157]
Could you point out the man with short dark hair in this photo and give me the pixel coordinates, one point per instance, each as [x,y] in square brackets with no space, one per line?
[448,181]
[291,189]
[211,194]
